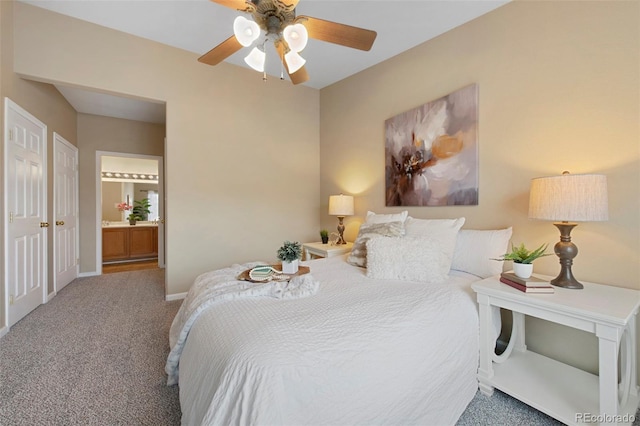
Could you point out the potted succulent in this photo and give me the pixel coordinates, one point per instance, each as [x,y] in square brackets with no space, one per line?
[290,254]
[324,235]
[523,258]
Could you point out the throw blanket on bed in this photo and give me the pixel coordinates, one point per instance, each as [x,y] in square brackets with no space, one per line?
[220,285]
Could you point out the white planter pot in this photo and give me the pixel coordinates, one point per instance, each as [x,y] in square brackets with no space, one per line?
[523,270]
[290,267]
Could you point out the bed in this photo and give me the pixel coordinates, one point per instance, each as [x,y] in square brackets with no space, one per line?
[360,350]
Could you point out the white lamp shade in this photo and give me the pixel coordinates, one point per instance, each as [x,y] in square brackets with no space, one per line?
[296,37]
[341,205]
[245,30]
[294,61]
[255,59]
[570,198]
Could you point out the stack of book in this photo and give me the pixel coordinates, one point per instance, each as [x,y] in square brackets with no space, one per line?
[528,285]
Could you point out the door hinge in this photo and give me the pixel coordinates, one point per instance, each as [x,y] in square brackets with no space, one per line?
[11,299]
[10,135]
[10,217]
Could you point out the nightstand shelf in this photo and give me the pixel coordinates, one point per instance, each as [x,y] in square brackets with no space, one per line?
[547,385]
[557,389]
[324,250]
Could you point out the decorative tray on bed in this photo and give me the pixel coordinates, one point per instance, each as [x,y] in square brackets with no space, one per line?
[273,275]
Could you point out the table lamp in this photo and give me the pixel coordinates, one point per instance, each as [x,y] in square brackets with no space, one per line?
[341,206]
[567,199]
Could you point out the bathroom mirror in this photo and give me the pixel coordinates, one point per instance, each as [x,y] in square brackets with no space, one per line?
[125,181]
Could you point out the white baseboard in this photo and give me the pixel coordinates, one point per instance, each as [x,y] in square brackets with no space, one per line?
[177,296]
[51,296]
[3,331]
[88,274]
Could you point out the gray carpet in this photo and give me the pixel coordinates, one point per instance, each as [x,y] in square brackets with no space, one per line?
[95,355]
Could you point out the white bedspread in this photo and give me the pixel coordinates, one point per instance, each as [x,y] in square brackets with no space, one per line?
[219,286]
[359,351]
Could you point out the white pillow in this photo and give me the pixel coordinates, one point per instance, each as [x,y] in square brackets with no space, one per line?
[475,249]
[443,231]
[358,255]
[384,218]
[407,259]
[425,227]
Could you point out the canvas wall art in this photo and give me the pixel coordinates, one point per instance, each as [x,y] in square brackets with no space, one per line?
[432,152]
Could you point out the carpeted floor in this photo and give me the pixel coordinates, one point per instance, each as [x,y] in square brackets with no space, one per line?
[95,355]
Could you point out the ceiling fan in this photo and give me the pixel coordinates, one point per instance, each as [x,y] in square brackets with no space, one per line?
[289,34]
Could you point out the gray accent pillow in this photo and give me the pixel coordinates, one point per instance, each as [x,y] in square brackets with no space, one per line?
[358,256]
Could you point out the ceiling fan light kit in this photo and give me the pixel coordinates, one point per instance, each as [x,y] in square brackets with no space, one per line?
[294,61]
[256,59]
[296,36]
[288,33]
[245,30]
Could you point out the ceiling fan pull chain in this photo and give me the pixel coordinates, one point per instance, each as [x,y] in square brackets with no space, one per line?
[264,73]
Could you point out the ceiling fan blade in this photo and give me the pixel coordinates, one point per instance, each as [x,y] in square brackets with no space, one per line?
[332,32]
[234,4]
[288,4]
[221,51]
[297,77]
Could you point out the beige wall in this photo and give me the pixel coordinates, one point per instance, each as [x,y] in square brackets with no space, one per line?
[111,195]
[558,90]
[242,156]
[107,134]
[45,103]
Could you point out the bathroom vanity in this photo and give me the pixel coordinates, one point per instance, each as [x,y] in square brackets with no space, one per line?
[122,242]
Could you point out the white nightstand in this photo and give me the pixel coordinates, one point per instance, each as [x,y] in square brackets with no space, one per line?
[325,250]
[568,394]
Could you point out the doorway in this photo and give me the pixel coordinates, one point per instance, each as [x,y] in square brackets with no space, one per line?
[128,187]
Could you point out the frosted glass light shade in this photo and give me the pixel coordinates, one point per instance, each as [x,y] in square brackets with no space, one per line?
[255,59]
[296,36]
[341,205]
[294,61]
[245,30]
[570,198]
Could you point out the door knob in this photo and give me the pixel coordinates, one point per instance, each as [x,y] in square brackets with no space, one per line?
[44,224]
[59,222]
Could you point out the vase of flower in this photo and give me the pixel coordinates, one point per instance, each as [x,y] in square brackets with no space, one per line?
[132,219]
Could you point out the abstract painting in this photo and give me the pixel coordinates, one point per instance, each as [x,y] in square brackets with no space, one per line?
[432,153]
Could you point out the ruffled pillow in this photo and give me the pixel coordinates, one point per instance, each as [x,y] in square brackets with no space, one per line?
[407,259]
[358,256]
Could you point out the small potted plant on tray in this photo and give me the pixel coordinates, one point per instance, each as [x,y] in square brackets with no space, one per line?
[324,235]
[523,258]
[290,253]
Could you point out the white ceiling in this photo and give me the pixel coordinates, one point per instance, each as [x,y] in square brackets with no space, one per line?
[113,106]
[199,25]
